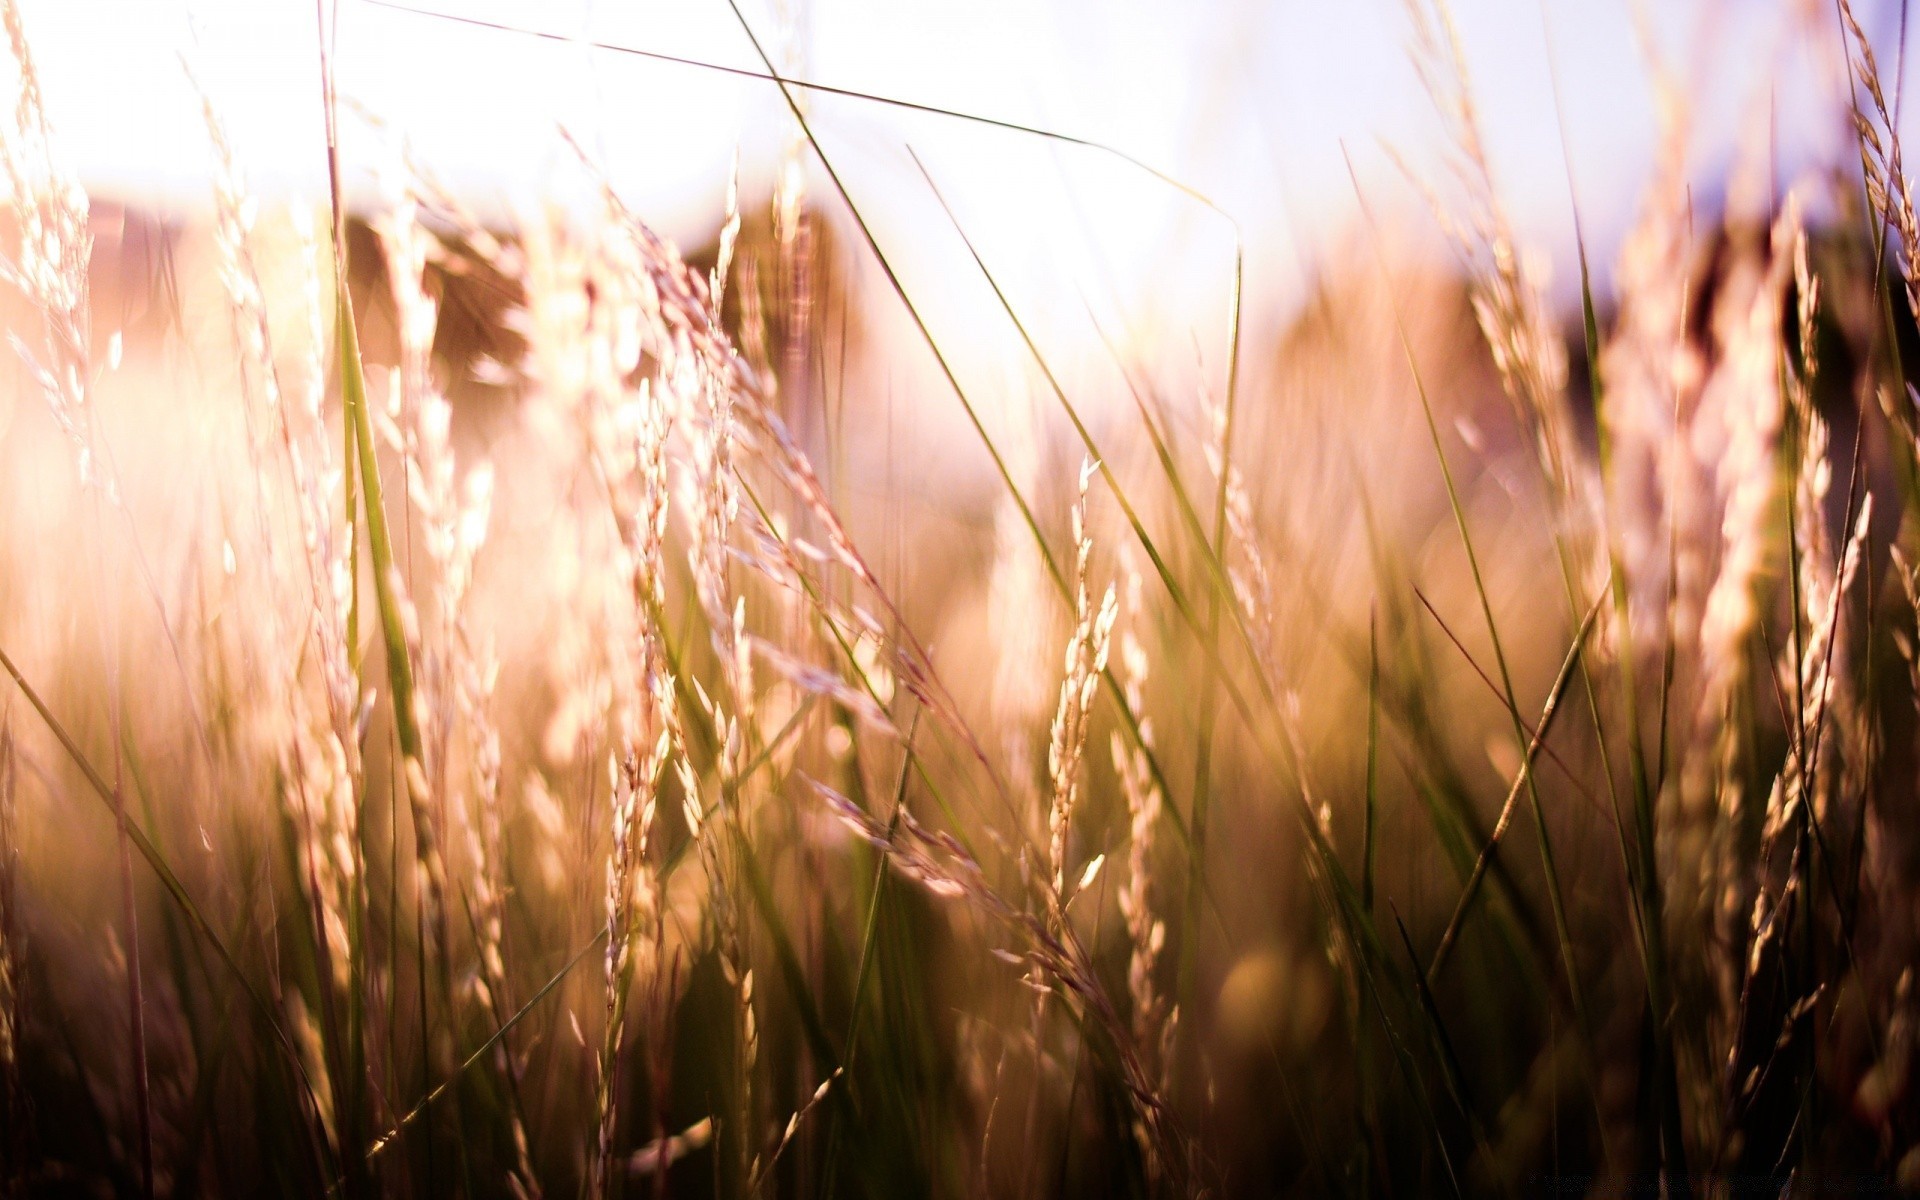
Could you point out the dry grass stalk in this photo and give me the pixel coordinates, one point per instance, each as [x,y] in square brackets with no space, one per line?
[1776,991]
[1052,949]
[1653,373]
[1815,673]
[705,383]
[1743,395]
[314,731]
[455,779]
[632,428]
[48,264]
[1155,1016]
[679,308]
[13,1099]
[1507,289]
[1248,571]
[1146,932]
[1811,669]
[792,214]
[1889,190]
[454,669]
[48,267]
[1086,660]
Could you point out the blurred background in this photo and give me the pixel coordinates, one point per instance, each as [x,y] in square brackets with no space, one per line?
[1004,205]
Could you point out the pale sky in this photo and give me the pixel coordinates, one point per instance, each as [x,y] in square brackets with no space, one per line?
[1250,103]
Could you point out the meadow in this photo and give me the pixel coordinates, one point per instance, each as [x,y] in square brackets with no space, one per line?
[529,709]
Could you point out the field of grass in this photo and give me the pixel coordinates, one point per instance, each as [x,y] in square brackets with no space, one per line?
[524,709]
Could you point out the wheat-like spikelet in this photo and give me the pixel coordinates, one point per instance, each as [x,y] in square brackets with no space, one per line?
[631,429]
[678,304]
[1155,1018]
[1819,677]
[764,1164]
[1811,671]
[1743,395]
[1247,571]
[312,726]
[633,915]
[703,387]
[454,671]
[632,308]
[1146,933]
[1085,660]
[1653,374]
[694,391]
[1506,285]
[1889,190]
[48,265]
[313,730]
[706,385]
[1776,992]
[416,424]
[1052,950]
[709,388]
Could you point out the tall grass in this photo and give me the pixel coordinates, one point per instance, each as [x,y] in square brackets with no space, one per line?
[481,719]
